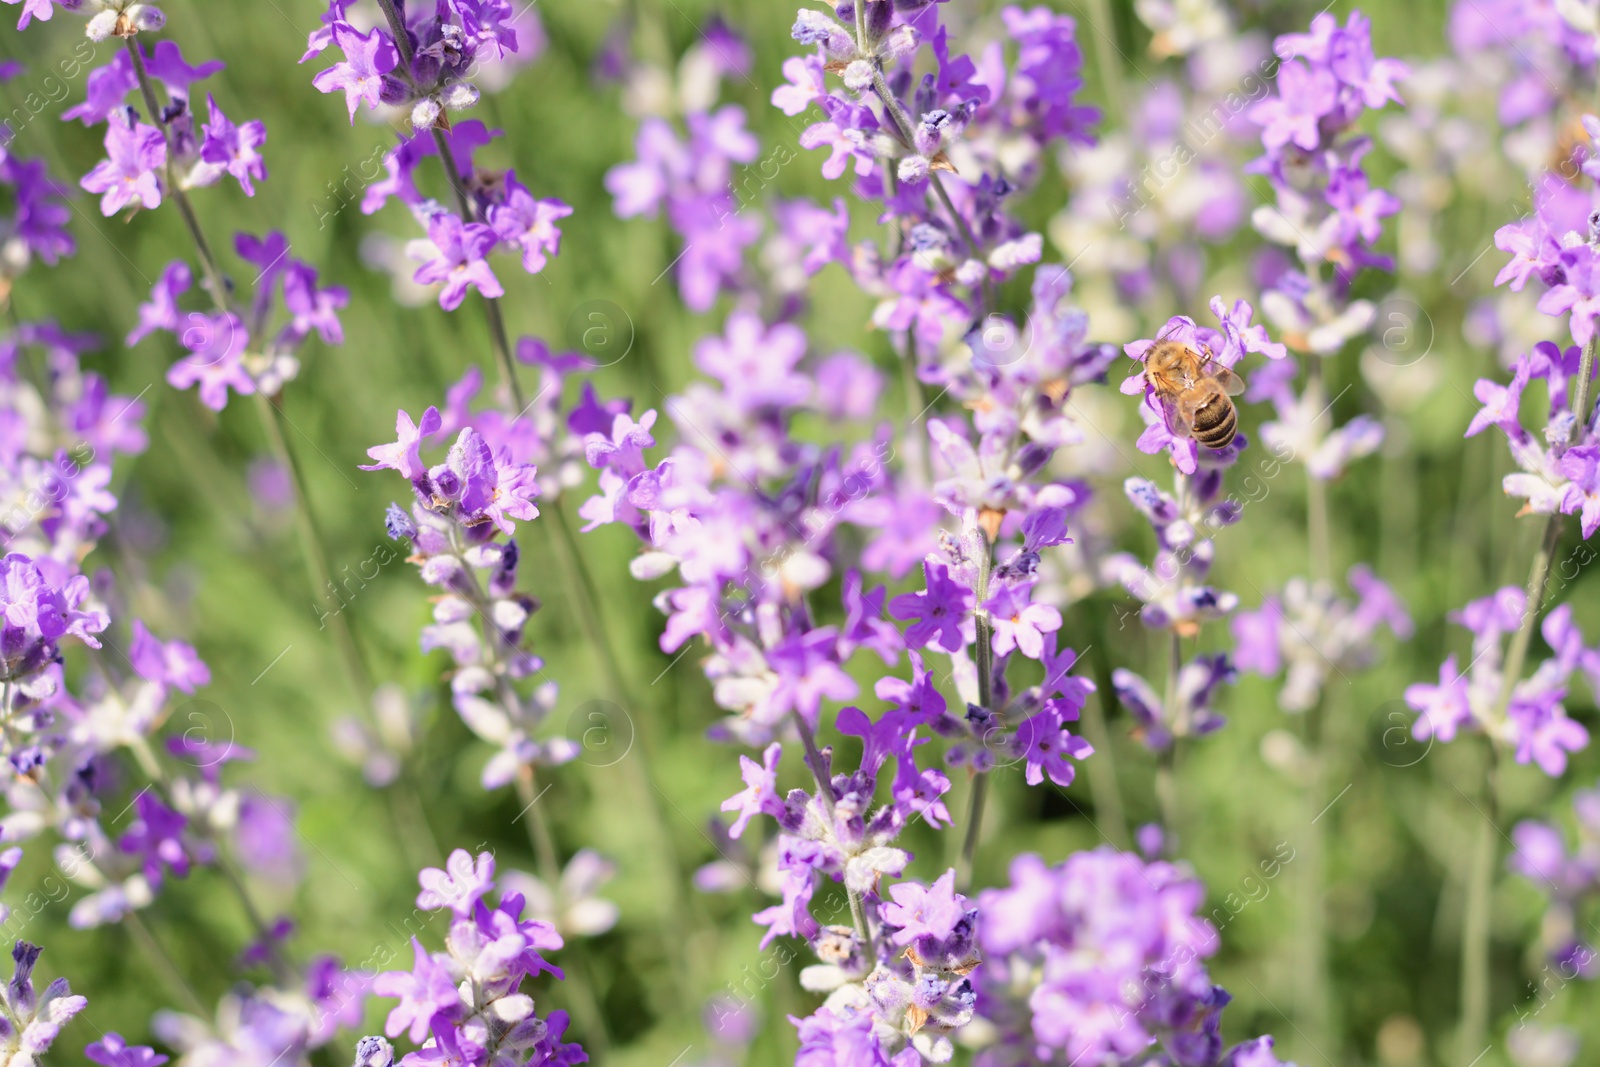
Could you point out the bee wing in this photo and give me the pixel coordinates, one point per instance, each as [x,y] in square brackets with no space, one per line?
[1230,382]
[1179,417]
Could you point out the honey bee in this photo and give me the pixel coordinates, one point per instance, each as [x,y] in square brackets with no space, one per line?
[1193,391]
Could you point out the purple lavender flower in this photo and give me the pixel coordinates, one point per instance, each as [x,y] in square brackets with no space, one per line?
[112,1051]
[760,795]
[38,9]
[1533,723]
[135,153]
[34,1020]
[454,254]
[489,951]
[235,148]
[1018,623]
[35,614]
[940,611]
[1308,632]
[162,312]
[1131,927]
[529,225]
[156,838]
[171,663]
[405,454]
[925,916]
[1305,95]
[459,886]
[217,345]
[363,75]
[1570,877]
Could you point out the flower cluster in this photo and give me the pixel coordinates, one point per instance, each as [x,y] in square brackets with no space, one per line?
[748,556]
[1328,212]
[1525,714]
[151,158]
[238,351]
[899,974]
[423,57]
[1304,432]
[35,226]
[1308,632]
[901,136]
[462,508]
[142,159]
[464,1005]
[1100,959]
[692,181]
[496,212]
[1570,877]
[1326,208]
[30,1021]
[1559,475]
[902,1011]
[1556,243]
[836,832]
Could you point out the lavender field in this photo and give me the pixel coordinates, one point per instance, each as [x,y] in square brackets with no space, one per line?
[688,534]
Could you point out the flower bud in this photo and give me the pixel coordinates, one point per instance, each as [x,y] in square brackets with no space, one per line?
[425,113]
[879,15]
[146,18]
[858,76]
[399,523]
[460,96]
[928,137]
[374,1052]
[813,27]
[972,272]
[901,42]
[102,26]
[914,169]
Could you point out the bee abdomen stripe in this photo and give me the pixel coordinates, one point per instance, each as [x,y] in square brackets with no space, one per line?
[1220,433]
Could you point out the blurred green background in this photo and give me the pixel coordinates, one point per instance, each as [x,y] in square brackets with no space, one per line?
[200,559]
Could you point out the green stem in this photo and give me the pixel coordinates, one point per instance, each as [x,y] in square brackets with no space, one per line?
[969,844]
[1104,786]
[1107,59]
[141,935]
[281,970]
[1311,959]
[586,600]
[984,655]
[1167,759]
[397,30]
[1167,791]
[311,546]
[1475,925]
